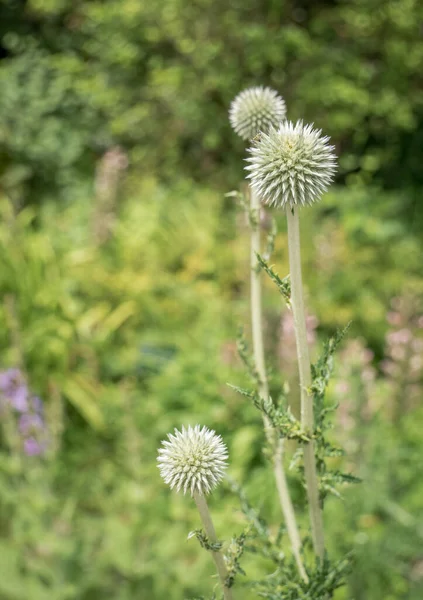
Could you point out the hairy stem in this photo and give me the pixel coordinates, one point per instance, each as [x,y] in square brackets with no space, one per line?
[203,509]
[307,417]
[260,366]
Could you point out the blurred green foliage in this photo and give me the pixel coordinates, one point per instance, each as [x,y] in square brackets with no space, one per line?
[157,78]
[131,338]
[128,338]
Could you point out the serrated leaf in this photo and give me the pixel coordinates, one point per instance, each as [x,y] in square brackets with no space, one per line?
[283,285]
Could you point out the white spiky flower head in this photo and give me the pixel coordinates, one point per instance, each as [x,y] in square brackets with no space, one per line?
[193,459]
[292,165]
[256,110]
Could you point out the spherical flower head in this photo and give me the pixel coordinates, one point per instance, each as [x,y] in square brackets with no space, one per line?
[256,110]
[292,165]
[193,459]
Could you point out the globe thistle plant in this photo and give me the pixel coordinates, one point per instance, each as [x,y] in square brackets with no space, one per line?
[291,165]
[256,110]
[195,459]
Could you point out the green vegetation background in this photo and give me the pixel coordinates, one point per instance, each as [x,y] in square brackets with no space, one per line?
[128,329]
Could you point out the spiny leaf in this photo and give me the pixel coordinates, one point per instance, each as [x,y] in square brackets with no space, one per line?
[283,285]
[281,418]
[248,393]
[322,583]
[322,370]
[283,421]
[336,478]
[233,556]
[204,540]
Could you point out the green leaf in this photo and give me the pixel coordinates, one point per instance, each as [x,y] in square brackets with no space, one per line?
[283,285]
[82,393]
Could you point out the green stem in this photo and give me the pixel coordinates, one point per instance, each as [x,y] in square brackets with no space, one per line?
[307,417]
[259,362]
[288,509]
[203,509]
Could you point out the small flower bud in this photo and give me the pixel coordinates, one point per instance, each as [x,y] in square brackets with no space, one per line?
[255,110]
[193,459]
[292,165]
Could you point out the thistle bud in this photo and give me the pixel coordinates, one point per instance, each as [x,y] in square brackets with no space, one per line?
[255,110]
[193,459]
[292,165]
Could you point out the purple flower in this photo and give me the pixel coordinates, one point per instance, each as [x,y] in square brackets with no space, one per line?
[32,447]
[32,429]
[37,405]
[30,422]
[13,389]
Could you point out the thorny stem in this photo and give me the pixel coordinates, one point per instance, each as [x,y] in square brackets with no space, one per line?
[259,362]
[307,417]
[203,509]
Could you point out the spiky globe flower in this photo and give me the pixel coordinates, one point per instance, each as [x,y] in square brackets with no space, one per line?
[292,165]
[193,459]
[256,110]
